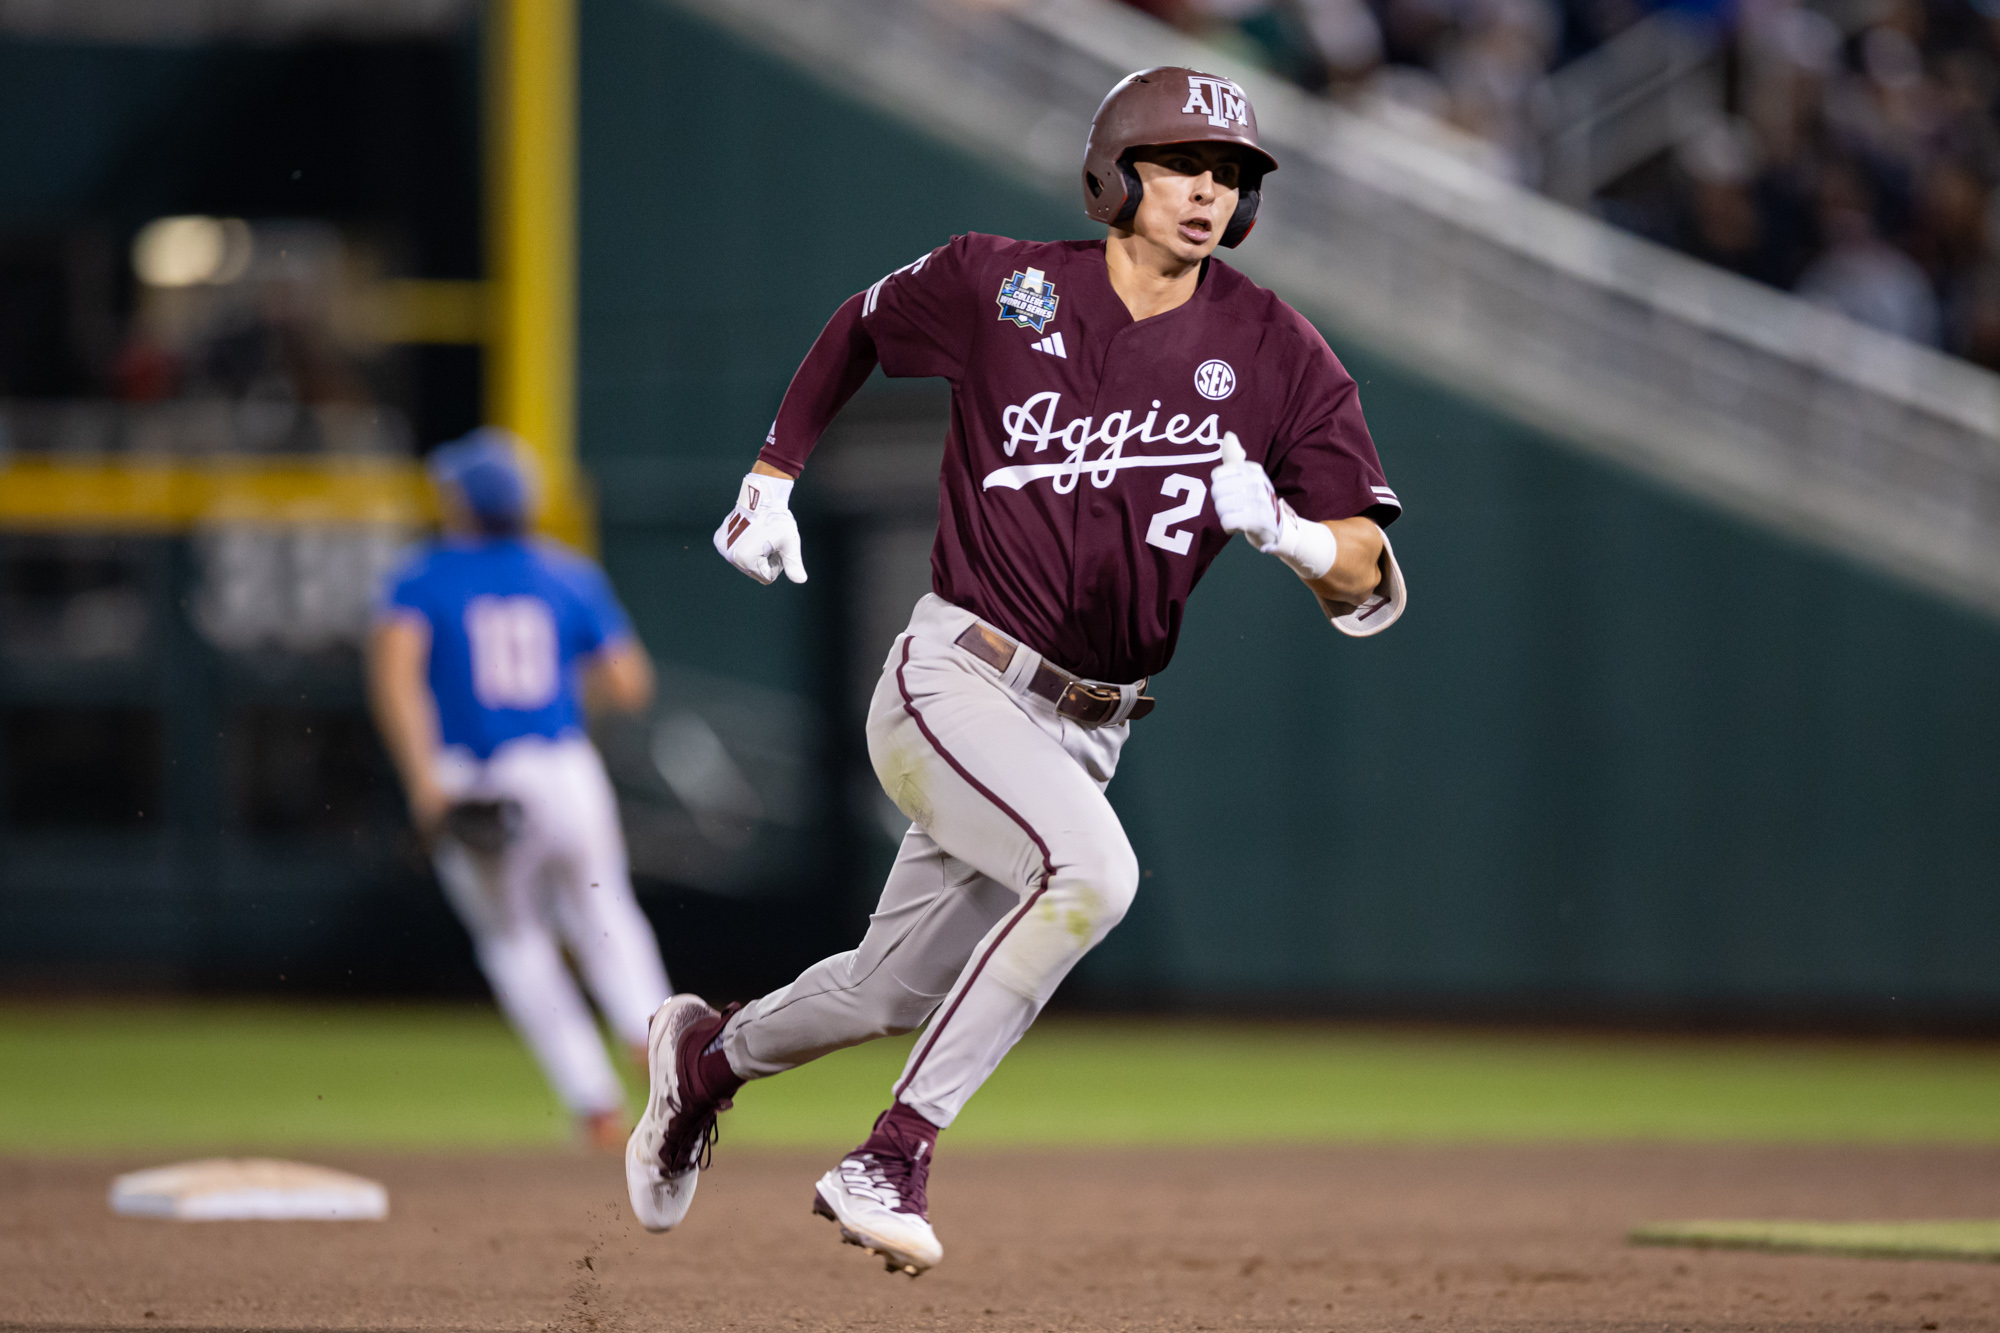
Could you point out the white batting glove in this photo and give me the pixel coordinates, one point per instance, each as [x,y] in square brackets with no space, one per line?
[1246,502]
[760,536]
[1244,498]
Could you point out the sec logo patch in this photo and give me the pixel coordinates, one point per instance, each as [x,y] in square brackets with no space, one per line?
[1214,380]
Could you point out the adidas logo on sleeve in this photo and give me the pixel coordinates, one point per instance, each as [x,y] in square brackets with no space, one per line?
[1053,345]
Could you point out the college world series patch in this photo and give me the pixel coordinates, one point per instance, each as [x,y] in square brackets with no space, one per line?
[1029,299]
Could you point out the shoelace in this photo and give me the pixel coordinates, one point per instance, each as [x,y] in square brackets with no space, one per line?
[895,1182]
[691,1139]
[694,1147]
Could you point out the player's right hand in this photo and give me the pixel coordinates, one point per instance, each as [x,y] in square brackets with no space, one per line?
[760,536]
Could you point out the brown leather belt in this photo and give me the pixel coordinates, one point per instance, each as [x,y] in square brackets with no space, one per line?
[1078,700]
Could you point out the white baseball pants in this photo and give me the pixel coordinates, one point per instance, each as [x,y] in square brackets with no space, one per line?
[1013,868]
[564,879]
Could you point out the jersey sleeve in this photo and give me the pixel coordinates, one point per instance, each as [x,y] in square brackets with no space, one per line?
[403,591]
[599,618]
[1323,460]
[912,323]
[839,363]
[919,317]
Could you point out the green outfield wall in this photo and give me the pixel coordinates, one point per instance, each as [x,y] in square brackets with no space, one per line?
[1623,751]
[1625,754]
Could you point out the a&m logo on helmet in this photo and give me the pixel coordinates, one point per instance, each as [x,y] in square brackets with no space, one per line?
[1223,102]
[1029,299]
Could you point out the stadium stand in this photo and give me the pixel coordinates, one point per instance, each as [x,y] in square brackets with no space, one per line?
[1846,152]
[1754,400]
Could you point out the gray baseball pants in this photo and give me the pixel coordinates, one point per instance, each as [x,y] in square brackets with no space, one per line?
[1014,867]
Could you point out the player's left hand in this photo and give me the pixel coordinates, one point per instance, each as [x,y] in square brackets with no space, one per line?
[760,536]
[1246,502]
[1244,498]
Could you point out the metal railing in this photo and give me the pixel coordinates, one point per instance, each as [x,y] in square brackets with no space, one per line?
[1636,96]
[1743,396]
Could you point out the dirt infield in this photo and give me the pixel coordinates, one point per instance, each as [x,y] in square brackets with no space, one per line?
[1319,1238]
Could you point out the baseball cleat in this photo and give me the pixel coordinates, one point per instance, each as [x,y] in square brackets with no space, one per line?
[878,1202]
[670,1145]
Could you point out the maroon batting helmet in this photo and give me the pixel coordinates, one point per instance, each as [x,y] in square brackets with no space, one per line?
[1164,105]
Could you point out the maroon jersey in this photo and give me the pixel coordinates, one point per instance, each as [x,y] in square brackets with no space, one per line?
[1073,509]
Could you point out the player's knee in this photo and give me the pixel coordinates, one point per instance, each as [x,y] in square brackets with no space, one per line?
[1121,883]
[1096,889]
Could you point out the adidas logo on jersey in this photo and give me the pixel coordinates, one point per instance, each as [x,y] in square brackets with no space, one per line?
[1053,345]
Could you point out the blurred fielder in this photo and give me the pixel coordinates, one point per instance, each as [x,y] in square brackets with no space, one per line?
[485,648]
[1119,408]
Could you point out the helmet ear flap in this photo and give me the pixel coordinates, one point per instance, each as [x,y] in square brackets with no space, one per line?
[1133,191]
[1244,218]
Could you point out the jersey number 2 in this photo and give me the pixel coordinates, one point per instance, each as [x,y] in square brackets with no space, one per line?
[1159,532]
[513,652]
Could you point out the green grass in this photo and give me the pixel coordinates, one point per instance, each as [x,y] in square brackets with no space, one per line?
[1974,1240]
[84,1078]
[81,1078]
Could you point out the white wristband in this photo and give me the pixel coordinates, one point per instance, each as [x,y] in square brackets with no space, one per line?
[759,493]
[1308,548]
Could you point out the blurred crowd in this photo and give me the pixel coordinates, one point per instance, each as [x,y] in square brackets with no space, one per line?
[225,310]
[1851,153]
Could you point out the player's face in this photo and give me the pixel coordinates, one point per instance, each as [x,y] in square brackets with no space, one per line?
[1190,195]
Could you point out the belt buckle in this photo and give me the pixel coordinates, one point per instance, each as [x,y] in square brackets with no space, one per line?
[1090,705]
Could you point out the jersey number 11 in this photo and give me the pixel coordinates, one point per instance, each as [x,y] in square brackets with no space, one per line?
[513,643]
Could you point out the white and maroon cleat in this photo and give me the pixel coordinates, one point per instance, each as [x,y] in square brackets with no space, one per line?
[670,1144]
[877,1196]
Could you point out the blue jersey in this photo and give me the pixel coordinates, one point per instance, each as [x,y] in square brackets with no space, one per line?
[510,621]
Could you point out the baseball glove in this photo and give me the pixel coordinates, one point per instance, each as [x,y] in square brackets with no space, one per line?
[484,827]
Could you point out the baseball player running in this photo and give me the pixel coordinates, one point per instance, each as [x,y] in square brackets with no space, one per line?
[1119,408]
[485,647]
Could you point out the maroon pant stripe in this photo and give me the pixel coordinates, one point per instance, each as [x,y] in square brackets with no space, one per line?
[1048,869]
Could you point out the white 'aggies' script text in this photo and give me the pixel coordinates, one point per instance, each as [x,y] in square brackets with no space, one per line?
[1033,423]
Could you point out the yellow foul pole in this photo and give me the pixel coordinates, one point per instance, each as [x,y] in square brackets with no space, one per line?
[531,234]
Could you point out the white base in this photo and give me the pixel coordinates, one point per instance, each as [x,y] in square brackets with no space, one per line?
[225,1189]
